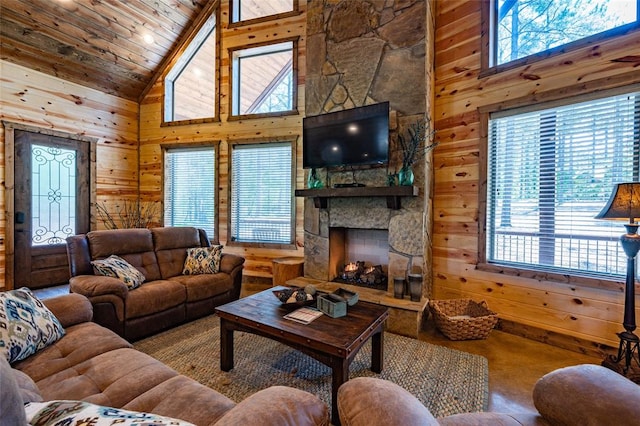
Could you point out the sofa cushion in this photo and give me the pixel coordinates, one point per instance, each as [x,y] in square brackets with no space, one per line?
[153,297]
[78,413]
[116,267]
[133,245]
[171,244]
[26,325]
[112,378]
[183,398]
[200,287]
[68,352]
[202,260]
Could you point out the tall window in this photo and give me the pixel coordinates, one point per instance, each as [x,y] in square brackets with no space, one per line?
[262,193]
[263,79]
[246,10]
[550,171]
[525,27]
[190,86]
[190,188]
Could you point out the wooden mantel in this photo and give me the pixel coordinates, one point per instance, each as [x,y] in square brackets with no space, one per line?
[392,193]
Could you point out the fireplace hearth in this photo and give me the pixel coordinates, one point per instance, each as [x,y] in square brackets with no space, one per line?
[358,274]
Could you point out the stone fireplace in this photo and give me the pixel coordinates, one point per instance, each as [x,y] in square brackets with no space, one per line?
[360,256]
[327,231]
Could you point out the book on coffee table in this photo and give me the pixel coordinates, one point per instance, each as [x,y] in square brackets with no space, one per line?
[303,315]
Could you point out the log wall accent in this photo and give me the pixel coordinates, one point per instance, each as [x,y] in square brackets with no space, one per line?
[571,309]
[258,265]
[35,99]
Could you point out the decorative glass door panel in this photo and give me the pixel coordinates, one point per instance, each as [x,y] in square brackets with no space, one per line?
[53,195]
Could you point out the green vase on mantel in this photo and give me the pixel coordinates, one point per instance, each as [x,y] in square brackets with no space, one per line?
[405,176]
[313,181]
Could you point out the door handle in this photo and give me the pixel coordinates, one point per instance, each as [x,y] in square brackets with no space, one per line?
[20,217]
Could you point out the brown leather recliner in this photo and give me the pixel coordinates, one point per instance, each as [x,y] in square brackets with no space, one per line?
[166,298]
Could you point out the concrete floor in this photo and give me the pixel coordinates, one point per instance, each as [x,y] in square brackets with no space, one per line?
[515,363]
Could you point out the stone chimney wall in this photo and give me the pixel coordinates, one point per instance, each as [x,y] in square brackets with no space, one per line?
[360,53]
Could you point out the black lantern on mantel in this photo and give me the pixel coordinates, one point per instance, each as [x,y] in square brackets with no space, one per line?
[625,204]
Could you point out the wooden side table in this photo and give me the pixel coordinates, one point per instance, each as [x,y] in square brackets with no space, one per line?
[287,268]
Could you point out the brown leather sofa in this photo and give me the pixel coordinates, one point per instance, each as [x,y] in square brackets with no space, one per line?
[579,395]
[166,298]
[93,364]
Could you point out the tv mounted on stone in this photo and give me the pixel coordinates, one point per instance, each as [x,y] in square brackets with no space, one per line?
[352,137]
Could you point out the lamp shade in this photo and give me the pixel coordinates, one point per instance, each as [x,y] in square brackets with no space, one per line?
[624,202]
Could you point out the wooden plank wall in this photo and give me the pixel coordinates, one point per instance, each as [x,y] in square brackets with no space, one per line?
[582,313]
[31,98]
[258,267]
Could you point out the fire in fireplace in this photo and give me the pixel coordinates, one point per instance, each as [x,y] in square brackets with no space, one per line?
[357,273]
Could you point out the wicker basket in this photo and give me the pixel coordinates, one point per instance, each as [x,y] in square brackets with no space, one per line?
[463,319]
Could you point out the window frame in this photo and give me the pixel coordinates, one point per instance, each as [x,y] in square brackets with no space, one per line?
[575,277]
[294,88]
[293,142]
[178,57]
[215,145]
[234,24]
[489,34]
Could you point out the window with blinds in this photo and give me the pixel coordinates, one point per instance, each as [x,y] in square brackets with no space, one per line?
[262,193]
[550,171]
[190,188]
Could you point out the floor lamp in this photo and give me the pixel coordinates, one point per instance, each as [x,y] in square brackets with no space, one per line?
[625,204]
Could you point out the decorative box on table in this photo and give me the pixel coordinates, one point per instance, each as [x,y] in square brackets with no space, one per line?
[335,304]
[463,319]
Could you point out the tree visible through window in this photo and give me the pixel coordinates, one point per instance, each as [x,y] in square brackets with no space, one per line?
[190,188]
[261,193]
[526,27]
[550,172]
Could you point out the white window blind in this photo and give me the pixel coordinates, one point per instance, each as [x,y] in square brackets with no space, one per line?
[189,188]
[550,172]
[261,193]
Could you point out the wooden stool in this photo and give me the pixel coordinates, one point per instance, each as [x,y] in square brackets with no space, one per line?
[286,268]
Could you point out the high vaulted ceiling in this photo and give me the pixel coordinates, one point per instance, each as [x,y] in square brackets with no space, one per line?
[96,43]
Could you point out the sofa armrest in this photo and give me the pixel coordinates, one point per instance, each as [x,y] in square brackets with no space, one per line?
[278,406]
[233,264]
[98,285]
[229,262]
[587,394]
[70,309]
[370,401]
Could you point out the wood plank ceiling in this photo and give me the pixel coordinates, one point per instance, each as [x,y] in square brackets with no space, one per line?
[96,43]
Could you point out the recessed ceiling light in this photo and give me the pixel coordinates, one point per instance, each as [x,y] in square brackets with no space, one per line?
[148,38]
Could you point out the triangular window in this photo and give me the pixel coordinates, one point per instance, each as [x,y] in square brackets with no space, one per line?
[190,86]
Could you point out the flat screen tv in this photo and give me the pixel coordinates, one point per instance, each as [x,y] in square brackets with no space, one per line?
[353,137]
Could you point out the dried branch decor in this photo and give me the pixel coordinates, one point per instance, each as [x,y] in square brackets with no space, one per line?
[419,141]
[131,214]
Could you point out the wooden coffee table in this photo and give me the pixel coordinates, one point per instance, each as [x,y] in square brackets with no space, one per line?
[332,341]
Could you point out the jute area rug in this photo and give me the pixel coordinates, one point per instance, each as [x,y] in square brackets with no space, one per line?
[446,381]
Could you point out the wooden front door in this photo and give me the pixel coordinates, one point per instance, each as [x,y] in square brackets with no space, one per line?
[51,202]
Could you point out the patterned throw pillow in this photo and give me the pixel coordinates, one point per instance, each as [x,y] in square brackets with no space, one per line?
[26,325]
[202,260]
[116,267]
[80,413]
